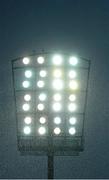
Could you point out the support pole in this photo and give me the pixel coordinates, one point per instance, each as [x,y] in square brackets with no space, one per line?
[50,166]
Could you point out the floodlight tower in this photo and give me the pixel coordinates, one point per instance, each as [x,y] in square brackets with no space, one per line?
[50,92]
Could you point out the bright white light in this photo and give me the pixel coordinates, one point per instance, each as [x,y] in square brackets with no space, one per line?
[73,85]
[57,97]
[42,120]
[58,84]
[72,97]
[72,107]
[57,120]
[27,97]
[27,130]
[28,74]
[56,106]
[26,107]
[42,130]
[57,130]
[40,84]
[73,61]
[72,74]
[25,84]
[57,73]
[42,97]
[72,120]
[40,60]
[40,107]
[43,73]
[57,59]
[28,120]
[26,60]
[72,131]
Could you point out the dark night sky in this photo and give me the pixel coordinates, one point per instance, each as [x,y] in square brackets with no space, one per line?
[78,26]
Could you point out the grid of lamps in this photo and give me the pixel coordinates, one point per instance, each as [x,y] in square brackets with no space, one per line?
[57,86]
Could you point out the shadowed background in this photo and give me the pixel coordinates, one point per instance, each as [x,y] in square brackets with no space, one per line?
[77,26]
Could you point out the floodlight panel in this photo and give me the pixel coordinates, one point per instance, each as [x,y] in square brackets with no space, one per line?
[55,98]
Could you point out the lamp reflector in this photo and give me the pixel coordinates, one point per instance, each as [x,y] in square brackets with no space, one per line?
[40,60]
[25,84]
[57,130]
[72,74]
[57,97]
[26,107]
[42,130]
[40,107]
[42,120]
[73,60]
[28,74]
[27,120]
[72,120]
[57,60]
[58,84]
[57,107]
[43,73]
[26,60]
[73,85]
[42,97]
[57,120]
[72,131]
[57,73]
[72,97]
[40,84]
[72,107]
[27,130]
[27,97]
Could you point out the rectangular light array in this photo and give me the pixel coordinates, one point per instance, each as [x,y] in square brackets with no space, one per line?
[55,93]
